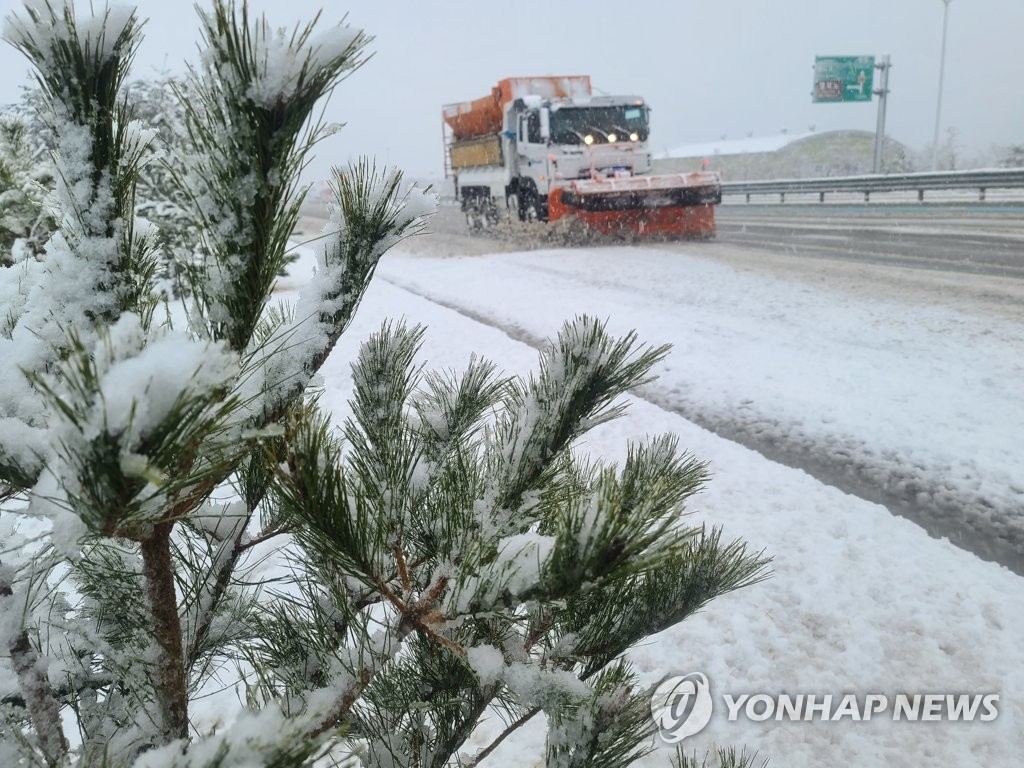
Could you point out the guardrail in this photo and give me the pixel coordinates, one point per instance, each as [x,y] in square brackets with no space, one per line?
[1009,178]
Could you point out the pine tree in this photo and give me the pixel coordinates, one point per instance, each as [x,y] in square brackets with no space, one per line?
[160,105]
[27,181]
[26,178]
[449,555]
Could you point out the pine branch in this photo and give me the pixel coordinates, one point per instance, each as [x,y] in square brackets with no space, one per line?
[581,373]
[225,557]
[42,707]
[725,757]
[422,706]
[254,480]
[607,621]
[246,119]
[610,729]
[81,71]
[265,536]
[371,217]
[172,692]
[224,573]
[496,742]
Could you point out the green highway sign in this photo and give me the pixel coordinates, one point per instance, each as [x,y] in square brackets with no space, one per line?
[843,78]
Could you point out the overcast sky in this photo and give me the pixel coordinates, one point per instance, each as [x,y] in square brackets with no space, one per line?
[707,67]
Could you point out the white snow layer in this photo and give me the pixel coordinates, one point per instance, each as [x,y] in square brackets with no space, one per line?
[920,402]
[144,376]
[282,65]
[97,33]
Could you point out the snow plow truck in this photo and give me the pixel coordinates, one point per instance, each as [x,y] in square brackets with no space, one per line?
[546,148]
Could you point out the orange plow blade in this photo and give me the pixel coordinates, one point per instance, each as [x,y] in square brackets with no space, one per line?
[670,205]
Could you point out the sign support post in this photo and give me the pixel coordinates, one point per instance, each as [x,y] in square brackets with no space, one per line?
[883,66]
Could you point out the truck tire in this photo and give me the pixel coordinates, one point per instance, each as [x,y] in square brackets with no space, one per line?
[474,220]
[515,207]
[534,206]
[529,207]
[525,203]
[481,213]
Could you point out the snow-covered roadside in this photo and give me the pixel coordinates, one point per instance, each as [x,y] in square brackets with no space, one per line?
[919,402]
[861,601]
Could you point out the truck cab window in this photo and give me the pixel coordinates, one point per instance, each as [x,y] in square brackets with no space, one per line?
[533,127]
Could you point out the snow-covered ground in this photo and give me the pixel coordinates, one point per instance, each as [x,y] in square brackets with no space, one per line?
[921,400]
[918,403]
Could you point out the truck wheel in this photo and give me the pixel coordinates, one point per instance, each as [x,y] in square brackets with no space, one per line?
[515,206]
[475,219]
[531,211]
[535,208]
[491,215]
[479,213]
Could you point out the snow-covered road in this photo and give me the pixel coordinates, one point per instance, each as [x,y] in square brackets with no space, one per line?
[917,398]
[903,402]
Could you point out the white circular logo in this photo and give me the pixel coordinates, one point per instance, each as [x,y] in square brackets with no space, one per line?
[681,706]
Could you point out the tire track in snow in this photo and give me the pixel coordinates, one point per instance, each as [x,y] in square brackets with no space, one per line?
[940,511]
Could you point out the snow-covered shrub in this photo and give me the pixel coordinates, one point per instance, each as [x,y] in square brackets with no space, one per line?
[448,555]
[159,105]
[26,177]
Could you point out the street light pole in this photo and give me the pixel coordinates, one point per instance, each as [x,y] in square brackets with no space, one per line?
[942,71]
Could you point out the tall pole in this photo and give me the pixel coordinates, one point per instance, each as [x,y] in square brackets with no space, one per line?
[942,72]
[883,97]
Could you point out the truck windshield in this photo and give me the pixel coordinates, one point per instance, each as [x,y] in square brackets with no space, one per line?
[571,125]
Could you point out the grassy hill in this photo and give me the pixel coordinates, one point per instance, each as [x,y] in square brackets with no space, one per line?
[833,153]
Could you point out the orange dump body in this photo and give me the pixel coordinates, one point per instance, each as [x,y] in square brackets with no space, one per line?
[469,119]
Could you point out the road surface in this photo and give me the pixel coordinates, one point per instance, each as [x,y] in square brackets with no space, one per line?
[970,239]
[905,273]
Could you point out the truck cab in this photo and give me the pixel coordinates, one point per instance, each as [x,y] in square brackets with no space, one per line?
[549,142]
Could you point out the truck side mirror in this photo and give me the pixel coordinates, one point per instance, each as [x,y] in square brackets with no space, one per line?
[545,123]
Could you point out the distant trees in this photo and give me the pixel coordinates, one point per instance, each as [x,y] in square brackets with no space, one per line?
[1013,157]
[949,155]
[896,159]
